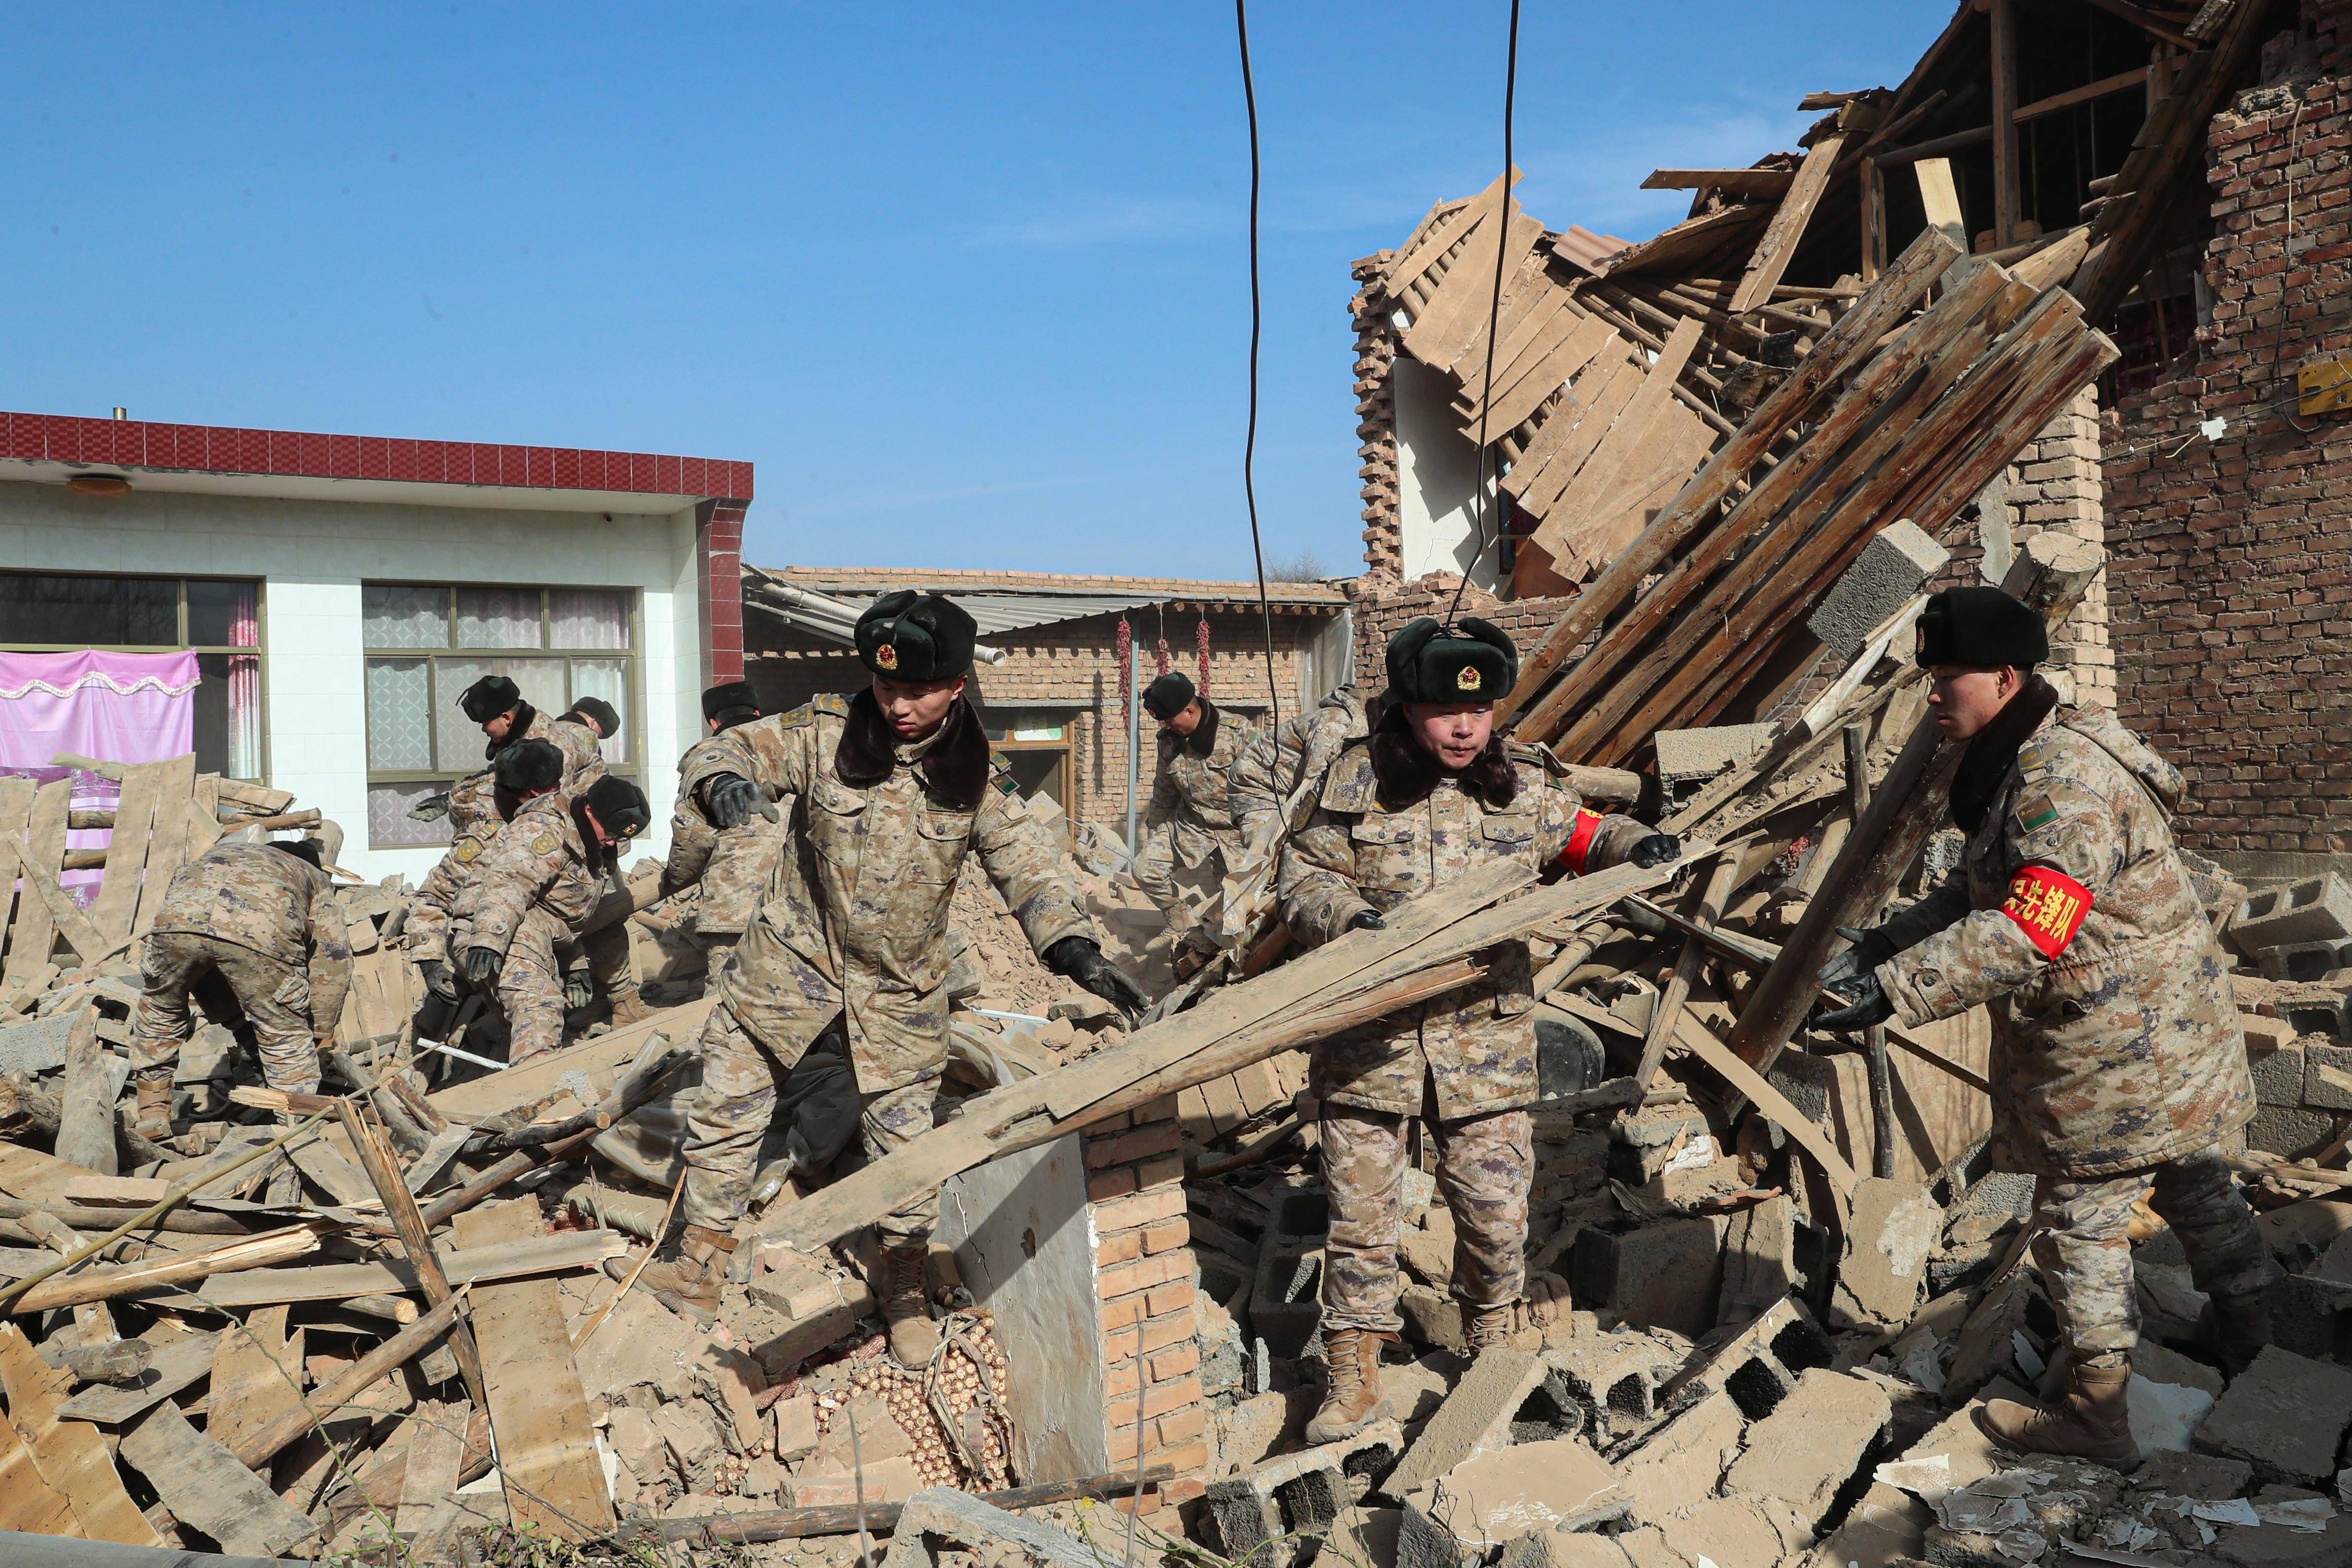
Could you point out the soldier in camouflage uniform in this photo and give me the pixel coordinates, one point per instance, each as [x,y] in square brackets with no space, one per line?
[261,918]
[544,874]
[1430,795]
[892,793]
[1277,765]
[2118,1067]
[1189,838]
[731,869]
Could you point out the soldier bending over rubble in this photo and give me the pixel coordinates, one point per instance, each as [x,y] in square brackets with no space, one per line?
[1190,840]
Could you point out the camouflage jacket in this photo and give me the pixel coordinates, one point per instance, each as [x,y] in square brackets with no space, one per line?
[538,862]
[473,800]
[1279,763]
[2116,1037]
[858,905]
[1478,1044]
[731,868]
[1188,789]
[266,899]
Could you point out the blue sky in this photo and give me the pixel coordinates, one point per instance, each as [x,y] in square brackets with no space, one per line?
[967,283]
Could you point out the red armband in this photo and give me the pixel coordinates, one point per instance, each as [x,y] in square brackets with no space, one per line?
[1580,843]
[2048,906]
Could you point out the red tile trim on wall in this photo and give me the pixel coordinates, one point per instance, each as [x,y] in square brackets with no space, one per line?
[719,588]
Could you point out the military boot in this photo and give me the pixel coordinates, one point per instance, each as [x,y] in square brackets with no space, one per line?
[1352,1400]
[630,1006]
[906,1307]
[688,1283]
[1497,1327]
[2239,1328]
[155,1117]
[2089,1418]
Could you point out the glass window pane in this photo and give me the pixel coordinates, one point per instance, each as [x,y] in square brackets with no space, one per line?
[608,679]
[542,683]
[224,614]
[457,740]
[395,615]
[499,618]
[90,612]
[228,714]
[389,825]
[399,715]
[587,617]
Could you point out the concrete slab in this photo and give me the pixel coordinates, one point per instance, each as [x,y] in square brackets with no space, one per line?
[1684,1460]
[1893,1227]
[1807,1450]
[943,1516]
[1494,1498]
[1476,1415]
[2285,1415]
[1737,1532]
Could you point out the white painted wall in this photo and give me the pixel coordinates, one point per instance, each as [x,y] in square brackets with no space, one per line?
[1437,480]
[312,556]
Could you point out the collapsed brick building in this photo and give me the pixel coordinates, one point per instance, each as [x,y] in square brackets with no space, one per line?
[2184,175]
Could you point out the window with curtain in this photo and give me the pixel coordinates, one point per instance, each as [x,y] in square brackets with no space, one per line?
[427,642]
[219,619]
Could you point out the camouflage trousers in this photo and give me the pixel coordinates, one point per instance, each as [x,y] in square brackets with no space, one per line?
[1178,891]
[274,996]
[531,987]
[1484,1165]
[743,1084]
[2085,1255]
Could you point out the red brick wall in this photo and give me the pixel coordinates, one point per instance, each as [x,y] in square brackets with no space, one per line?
[1144,1283]
[2231,558]
[1385,608]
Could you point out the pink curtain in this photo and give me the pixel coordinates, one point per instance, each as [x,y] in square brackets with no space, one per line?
[120,707]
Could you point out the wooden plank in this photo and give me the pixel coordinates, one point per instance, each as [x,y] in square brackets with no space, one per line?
[547,1449]
[1629,440]
[415,1236]
[2005,181]
[335,1281]
[1787,225]
[172,1368]
[1575,350]
[36,1176]
[601,1060]
[167,851]
[44,848]
[126,852]
[1529,295]
[90,945]
[1941,198]
[86,1107]
[1463,302]
[1407,269]
[1695,1037]
[28,1501]
[203,1484]
[1552,461]
[1774,183]
[71,1455]
[2122,81]
[436,1451]
[1529,334]
[204,815]
[16,812]
[323,1163]
[257,1377]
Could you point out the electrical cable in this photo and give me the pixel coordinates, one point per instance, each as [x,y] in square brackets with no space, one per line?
[1257,320]
[1486,457]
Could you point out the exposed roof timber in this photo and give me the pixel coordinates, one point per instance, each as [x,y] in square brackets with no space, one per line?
[1732,182]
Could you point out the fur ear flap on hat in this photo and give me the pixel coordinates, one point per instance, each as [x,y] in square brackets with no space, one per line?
[620,805]
[1473,663]
[309,850]
[1981,626]
[529,765]
[489,697]
[729,696]
[907,636]
[1166,697]
[606,718]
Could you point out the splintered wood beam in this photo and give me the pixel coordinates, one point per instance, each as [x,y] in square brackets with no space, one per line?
[1935,147]
[1787,225]
[1731,182]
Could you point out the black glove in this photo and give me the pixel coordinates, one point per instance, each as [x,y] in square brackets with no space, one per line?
[481,964]
[578,989]
[1078,957]
[1866,1004]
[733,800]
[1365,919]
[1870,949]
[1654,850]
[437,979]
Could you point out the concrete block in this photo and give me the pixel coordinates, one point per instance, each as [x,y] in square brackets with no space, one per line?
[39,1047]
[1432,1317]
[1892,567]
[1286,1299]
[796,1433]
[943,1516]
[1760,1259]
[1477,1414]
[1614,1379]
[2278,1075]
[1299,1496]
[2301,962]
[2289,1130]
[1894,1225]
[1758,1365]
[1493,1497]
[1551,1549]
[1684,1460]
[1689,758]
[2285,1415]
[1666,1275]
[1643,1140]
[1737,1532]
[2316,909]
[2328,1076]
[2321,1012]
[1999,1202]
[1807,1448]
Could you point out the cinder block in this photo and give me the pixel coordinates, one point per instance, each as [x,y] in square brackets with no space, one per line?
[2321,1014]
[1614,1379]
[2278,1075]
[1477,1414]
[1665,1276]
[1758,1365]
[1298,1495]
[1894,565]
[2301,962]
[2328,1076]
[2289,1131]
[1804,1452]
[2317,909]
[1688,758]
[1285,1297]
